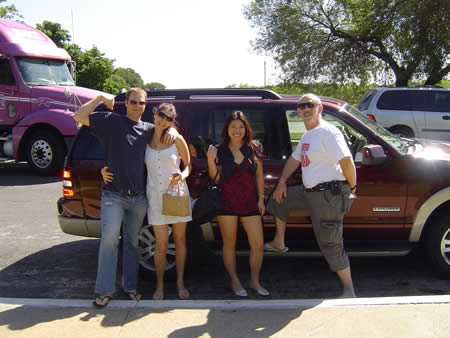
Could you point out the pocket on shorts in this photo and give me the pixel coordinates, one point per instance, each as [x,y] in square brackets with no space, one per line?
[330,232]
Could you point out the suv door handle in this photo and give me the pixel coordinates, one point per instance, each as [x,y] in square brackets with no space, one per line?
[446,117]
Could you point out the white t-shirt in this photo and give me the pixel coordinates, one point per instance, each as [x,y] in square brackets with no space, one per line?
[319,152]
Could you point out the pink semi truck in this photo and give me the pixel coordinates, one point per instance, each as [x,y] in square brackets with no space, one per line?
[37,97]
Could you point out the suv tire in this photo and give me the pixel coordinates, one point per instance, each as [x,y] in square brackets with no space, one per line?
[437,244]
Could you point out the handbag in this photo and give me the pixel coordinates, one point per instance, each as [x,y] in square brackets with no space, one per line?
[175,202]
[208,203]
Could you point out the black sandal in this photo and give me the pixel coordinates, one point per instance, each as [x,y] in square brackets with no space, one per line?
[102,299]
[133,295]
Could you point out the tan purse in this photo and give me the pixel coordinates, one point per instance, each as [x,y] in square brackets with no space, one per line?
[175,202]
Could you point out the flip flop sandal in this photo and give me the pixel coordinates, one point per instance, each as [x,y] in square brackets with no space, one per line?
[102,299]
[133,295]
[183,294]
[268,247]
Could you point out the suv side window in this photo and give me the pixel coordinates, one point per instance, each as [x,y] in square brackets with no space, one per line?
[86,146]
[268,125]
[435,101]
[355,140]
[395,100]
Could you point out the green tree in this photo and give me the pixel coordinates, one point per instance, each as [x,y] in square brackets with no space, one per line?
[354,40]
[93,69]
[9,12]
[130,76]
[154,85]
[55,32]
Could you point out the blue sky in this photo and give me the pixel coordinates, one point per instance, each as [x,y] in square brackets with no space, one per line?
[179,43]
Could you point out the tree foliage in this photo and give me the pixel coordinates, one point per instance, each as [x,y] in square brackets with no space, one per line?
[9,12]
[154,85]
[93,69]
[55,32]
[354,40]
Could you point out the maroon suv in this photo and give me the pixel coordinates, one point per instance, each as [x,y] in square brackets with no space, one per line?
[403,184]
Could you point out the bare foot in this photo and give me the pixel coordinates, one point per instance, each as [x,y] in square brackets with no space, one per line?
[183,293]
[158,295]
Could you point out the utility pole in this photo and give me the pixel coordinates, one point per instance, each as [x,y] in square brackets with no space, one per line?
[264,73]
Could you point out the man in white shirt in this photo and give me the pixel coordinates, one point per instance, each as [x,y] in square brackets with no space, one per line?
[329,181]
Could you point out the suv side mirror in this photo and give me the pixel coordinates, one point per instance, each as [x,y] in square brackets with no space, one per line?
[373,155]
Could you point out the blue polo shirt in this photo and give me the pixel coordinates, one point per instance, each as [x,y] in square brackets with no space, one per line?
[124,142]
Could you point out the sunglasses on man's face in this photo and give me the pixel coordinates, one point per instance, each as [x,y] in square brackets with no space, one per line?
[141,103]
[304,105]
[165,116]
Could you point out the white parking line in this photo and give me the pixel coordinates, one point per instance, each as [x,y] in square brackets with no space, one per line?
[228,304]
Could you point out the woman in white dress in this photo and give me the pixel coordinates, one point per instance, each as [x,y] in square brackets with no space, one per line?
[163,169]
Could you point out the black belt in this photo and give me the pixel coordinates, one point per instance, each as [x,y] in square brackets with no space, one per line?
[323,186]
[128,192]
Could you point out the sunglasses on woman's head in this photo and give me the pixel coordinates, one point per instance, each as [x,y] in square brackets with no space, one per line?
[165,116]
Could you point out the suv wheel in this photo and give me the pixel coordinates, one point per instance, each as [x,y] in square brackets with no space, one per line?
[147,247]
[438,245]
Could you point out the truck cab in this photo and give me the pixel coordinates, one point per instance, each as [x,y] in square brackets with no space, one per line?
[37,98]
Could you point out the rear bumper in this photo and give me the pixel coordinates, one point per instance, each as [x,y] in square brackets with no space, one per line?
[80,226]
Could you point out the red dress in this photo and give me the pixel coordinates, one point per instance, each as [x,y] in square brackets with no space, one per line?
[239,194]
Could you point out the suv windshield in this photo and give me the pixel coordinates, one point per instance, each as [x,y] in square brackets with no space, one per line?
[42,72]
[395,141]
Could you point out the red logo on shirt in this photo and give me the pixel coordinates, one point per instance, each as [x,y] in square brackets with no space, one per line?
[303,156]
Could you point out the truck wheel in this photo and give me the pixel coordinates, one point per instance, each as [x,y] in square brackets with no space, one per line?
[438,245]
[147,246]
[45,153]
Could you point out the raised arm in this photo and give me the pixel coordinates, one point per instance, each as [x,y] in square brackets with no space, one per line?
[82,115]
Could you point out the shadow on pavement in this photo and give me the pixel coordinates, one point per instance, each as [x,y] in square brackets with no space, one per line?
[19,174]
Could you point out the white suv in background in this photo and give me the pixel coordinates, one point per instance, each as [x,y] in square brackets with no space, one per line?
[420,112]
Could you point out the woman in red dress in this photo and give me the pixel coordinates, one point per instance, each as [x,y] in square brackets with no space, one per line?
[238,159]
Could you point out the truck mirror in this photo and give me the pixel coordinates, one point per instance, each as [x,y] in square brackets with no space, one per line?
[373,155]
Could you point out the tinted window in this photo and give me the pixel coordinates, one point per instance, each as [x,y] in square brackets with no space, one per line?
[395,100]
[6,74]
[86,146]
[268,125]
[436,101]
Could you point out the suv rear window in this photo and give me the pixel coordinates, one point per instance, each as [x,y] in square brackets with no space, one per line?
[395,100]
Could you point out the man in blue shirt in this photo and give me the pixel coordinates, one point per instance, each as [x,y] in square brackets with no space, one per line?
[124,140]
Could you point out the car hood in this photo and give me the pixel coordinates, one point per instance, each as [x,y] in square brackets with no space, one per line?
[432,150]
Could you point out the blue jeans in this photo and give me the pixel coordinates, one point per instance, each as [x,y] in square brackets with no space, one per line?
[115,209]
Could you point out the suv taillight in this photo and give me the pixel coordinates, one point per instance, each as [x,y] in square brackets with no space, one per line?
[372,117]
[67,183]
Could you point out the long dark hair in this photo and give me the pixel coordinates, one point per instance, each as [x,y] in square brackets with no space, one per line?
[237,115]
[167,108]
[255,146]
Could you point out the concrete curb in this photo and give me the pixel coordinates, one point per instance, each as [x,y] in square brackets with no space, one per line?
[227,304]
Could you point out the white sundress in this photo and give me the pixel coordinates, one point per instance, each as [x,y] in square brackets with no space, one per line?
[161,164]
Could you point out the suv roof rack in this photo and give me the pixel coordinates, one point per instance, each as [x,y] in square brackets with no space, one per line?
[221,93]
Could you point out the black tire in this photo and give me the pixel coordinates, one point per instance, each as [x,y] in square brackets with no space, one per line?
[437,244]
[402,131]
[45,152]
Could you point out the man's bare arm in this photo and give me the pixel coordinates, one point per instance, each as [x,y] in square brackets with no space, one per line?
[82,115]
[349,171]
